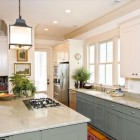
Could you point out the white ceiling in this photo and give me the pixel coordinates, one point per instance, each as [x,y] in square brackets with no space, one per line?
[43,12]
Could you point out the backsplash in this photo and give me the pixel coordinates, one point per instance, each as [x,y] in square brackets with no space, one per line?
[134,86]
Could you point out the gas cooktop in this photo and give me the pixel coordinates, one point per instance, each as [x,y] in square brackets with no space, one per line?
[40,103]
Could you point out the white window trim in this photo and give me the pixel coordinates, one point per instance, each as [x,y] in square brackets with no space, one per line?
[114,63]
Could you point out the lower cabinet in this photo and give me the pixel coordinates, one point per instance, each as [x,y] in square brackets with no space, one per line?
[99,120]
[118,121]
[80,107]
[130,128]
[74,132]
[89,111]
[70,132]
[113,123]
[27,136]
[5,138]
[85,107]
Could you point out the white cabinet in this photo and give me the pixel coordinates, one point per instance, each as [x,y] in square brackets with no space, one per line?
[130,49]
[60,53]
[3,57]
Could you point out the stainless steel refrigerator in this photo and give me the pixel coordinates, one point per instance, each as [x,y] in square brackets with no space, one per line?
[61,89]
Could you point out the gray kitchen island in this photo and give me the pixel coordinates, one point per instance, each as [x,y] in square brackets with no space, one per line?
[52,123]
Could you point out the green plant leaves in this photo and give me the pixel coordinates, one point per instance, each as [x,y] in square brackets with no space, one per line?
[81,74]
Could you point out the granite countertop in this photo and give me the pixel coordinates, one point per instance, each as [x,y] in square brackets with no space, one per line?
[128,101]
[15,118]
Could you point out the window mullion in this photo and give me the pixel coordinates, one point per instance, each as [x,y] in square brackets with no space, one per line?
[97,56]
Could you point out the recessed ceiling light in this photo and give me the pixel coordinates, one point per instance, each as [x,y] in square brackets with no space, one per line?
[55,22]
[67,11]
[46,29]
[117,1]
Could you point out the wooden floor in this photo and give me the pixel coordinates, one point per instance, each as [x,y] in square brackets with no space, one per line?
[97,134]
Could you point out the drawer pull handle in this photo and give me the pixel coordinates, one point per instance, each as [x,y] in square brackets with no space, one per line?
[112,105]
[132,112]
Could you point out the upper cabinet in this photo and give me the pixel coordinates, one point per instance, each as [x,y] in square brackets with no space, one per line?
[3,56]
[60,53]
[130,48]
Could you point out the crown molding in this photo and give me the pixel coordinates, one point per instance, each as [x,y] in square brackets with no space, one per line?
[129,7]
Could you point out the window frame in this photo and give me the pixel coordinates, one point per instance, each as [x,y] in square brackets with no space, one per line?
[88,62]
[115,62]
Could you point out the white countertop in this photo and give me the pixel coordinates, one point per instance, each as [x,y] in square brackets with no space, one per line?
[15,118]
[131,102]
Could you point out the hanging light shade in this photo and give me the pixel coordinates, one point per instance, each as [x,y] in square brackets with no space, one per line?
[20,35]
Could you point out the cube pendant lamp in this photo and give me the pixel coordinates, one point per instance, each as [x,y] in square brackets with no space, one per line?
[20,35]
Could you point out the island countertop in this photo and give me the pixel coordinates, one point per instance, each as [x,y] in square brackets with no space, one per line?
[15,118]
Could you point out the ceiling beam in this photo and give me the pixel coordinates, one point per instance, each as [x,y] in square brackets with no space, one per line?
[127,8]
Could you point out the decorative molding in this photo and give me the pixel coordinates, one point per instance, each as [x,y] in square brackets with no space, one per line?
[103,36]
[129,7]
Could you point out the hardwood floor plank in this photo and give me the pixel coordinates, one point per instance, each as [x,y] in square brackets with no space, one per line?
[97,134]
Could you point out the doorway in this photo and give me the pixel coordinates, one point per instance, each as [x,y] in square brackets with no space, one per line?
[43,78]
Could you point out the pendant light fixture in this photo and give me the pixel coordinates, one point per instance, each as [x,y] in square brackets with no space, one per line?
[20,35]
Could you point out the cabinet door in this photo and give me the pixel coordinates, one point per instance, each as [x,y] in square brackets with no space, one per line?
[99,120]
[113,123]
[80,106]
[89,110]
[55,55]
[72,132]
[27,136]
[130,128]
[3,58]
[66,54]
[130,49]
[5,138]
[72,99]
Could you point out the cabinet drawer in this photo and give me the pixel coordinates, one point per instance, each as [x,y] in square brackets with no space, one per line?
[113,106]
[85,96]
[99,101]
[131,111]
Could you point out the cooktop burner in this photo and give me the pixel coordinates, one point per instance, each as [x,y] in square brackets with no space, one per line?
[40,103]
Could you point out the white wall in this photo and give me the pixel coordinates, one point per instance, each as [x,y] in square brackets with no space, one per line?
[75,46]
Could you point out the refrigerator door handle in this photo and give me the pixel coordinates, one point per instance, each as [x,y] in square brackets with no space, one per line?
[62,79]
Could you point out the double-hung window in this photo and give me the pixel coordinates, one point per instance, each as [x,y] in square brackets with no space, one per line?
[105,63]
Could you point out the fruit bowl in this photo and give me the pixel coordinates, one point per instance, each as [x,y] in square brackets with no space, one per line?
[7,97]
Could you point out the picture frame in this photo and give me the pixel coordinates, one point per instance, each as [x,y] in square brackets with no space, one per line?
[22,55]
[22,68]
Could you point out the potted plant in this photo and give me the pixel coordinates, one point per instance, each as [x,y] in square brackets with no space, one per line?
[22,86]
[81,74]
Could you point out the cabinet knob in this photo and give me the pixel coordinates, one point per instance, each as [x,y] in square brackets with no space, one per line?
[132,73]
[132,112]
[136,74]
[112,105]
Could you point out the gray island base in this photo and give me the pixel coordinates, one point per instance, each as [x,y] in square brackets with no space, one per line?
[54,123]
